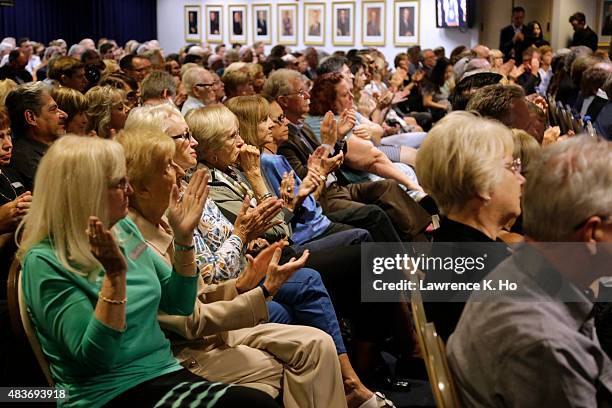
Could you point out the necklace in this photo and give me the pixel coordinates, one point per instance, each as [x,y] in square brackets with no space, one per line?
[10,185]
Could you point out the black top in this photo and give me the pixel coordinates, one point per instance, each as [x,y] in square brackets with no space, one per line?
[585,37]
[11,186]
[20,76]
[445,314]
[26,156]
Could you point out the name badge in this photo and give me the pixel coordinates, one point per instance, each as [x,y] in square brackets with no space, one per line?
[137,251]
[17,184]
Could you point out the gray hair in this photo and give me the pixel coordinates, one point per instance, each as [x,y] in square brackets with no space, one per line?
[279,83]
[24,97]
[76,50]
[495,101]
[570,182]
[154,85]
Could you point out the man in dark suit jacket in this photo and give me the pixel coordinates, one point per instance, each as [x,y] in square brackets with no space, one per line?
[214,23]
[409,217]
[583,35]
[511,37]
[262,24]
[237,23]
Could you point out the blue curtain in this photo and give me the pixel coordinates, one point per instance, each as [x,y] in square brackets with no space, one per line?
[73,20]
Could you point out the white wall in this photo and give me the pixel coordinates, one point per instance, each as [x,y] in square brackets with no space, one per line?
[170,16]
[561,29]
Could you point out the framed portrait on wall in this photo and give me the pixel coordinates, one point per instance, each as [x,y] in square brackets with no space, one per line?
[314,23]
[262,23]
[604,22]
[214,24]
[406,22]
[193,31]
[343,23]
[238,23]
[287,14]
[373,23]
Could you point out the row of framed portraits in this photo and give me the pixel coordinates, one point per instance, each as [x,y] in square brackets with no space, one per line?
[343,30]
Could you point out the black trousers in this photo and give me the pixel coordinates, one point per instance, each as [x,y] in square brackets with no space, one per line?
[369,217]
[150,393]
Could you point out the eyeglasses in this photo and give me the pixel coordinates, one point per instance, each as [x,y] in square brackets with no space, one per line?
[234,136]
[186,135]
[301,93]
[604,218]
[123,184]
[515,166]
[205,85]
[280,120]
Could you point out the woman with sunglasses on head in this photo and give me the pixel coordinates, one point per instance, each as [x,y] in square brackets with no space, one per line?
[93,288]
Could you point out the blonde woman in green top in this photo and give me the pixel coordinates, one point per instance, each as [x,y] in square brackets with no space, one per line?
[93,287]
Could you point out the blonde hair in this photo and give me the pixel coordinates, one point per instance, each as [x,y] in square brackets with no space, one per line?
[110,67]
[235,79]
[100,102]
[461,157]
[526,148]
[6,86]
[147,150]
[71,184]
[250,111]
[209,126]
[152,116]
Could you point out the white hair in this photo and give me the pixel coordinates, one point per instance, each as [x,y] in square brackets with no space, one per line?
[157,116]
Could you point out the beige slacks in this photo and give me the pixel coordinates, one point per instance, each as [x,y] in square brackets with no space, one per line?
[300,359]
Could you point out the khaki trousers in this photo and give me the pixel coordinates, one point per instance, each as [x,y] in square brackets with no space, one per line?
[300,360]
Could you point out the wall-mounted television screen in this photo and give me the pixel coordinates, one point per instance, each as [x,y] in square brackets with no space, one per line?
[454,13]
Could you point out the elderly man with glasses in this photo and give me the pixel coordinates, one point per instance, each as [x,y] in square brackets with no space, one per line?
[200,87]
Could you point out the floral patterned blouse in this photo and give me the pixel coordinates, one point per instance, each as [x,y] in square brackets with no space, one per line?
[218,251]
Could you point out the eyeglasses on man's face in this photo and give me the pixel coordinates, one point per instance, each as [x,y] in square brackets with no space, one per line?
[301,93]
[205,85]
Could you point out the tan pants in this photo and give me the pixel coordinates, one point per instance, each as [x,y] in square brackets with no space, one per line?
[302,360]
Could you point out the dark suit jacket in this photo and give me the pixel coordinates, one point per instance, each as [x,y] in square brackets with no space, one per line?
[262,27]
[510,49]
[237,28]
[214,27]
[586,37]
[406,26]
[595,107]
[296,151]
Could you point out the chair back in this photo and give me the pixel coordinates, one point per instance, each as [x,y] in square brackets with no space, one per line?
[20,320]
[420,320]
[440,376]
